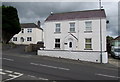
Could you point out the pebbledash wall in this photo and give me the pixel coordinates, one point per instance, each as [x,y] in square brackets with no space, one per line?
[90,56]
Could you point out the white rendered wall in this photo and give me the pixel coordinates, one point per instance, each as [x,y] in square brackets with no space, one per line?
[36,36]
[75,55]
[79,33]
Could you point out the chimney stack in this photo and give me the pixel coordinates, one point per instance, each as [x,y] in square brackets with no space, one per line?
[38,23]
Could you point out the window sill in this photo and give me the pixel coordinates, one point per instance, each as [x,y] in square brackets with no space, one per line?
[88,49]
[56,48]
[88,31]
[71,32]
[57,32]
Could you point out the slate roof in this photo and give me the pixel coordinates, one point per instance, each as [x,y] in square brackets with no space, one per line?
[29,25]
[77,15]
[117,38]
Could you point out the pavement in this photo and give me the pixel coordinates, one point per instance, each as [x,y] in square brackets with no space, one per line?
[19,65]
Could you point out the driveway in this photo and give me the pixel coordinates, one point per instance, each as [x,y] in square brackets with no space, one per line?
[114,62]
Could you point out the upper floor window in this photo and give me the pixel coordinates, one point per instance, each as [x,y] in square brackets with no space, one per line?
[57,28]
[29,30]
[88,26]
[29,38]
[22,30]
[88,43]
[57,43]
[14,38]
[72,27]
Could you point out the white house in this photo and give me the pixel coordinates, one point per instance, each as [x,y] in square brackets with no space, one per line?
[30,33]
[76,30]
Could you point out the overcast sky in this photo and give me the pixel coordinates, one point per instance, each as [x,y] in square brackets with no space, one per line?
[31,12]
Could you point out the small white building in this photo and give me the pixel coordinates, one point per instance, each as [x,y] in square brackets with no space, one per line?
[30,34]
[76,31]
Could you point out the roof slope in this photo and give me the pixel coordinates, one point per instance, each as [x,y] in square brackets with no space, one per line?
[117,38]
[29,25]
[77,15]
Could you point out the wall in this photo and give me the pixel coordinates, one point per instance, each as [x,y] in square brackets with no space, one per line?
[79,33]
[75,55]
[36,36]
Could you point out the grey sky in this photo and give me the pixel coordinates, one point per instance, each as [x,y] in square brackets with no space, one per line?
[33,11]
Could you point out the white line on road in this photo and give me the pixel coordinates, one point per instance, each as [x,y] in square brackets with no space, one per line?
[13,77]
[108,76]
[38,78]
[8,71]
[7,59]
[1,69]
[2,73]
[50,66]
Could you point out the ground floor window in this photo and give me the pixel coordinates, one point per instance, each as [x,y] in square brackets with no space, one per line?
[29,38]
[14,38]
[57,43]
[88,43]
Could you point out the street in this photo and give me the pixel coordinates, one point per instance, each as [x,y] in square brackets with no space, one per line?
[32,67]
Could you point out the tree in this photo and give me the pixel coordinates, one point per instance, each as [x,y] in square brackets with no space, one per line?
[109,40]
[10,23]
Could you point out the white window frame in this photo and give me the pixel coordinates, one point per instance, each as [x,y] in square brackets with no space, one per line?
[57,27]
[72,27]
[14,38]
[22,30]
[88,26]
[29,30]
[57,43]
[88,43]
[29,38]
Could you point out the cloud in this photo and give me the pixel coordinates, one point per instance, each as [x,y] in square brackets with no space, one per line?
[34,11]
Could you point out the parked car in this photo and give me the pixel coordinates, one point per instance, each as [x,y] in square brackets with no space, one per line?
[115,52]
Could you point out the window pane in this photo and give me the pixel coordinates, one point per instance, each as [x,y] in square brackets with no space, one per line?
[57,29]
[88,46]
[88,40]
[22,30]
[57,40]
[88,25]
[72,27]
[57,43]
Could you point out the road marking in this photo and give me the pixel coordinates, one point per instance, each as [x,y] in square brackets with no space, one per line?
[2,73]
[8,71]
[7,59]
[38,78]
[1,69]
[50,66]
[13,77]
[42,78]
[108,76]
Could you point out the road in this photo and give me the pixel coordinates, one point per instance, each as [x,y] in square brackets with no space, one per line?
[33,67]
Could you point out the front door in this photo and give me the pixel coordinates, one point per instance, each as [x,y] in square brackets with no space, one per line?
[70,45]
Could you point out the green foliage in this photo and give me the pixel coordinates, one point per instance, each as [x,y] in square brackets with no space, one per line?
[108,45]
[10,23]
[10,20]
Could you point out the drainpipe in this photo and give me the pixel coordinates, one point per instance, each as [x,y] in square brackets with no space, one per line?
[100,35]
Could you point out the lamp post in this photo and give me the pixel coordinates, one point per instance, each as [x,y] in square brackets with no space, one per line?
[100,35]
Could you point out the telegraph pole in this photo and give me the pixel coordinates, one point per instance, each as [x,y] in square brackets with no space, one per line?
[100,35]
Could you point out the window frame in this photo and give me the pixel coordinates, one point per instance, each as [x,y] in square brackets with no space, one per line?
[57,28]
[29,38]
[14,38]
[29,30]
[22,30]
[57,43]
[88,27]
[72,26]
[88,43]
